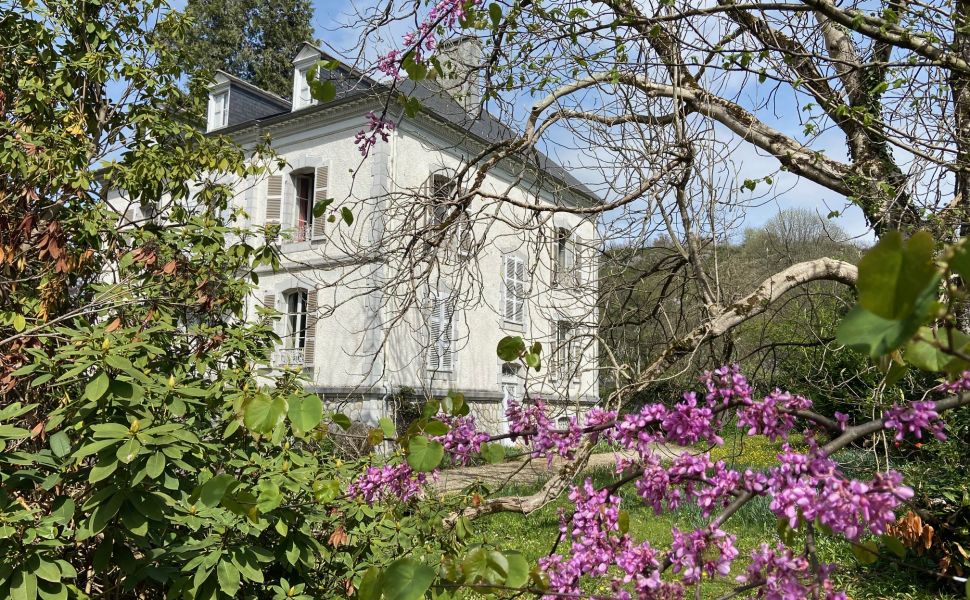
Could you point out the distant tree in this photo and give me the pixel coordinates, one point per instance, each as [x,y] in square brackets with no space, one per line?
[252,39]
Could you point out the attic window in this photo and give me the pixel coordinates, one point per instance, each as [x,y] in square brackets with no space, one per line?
[219,110]
[303,97]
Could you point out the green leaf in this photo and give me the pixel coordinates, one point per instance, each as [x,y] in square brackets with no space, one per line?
[435,428]
[895,273]
[63,510]
[155,465]
[263,412]
[412,106]
[493,453]
[19,323]
[533,360]
[107,465]
[305,412]
[864,331]
[406,579]
[47,571]
[623,521]
[347,215]
[342,420]
[60,444]
[128,451]
[387,427]
[23,586]
[510,348]
[495,14]
[370,585]
[865,552]
[96,388]
[323,90]
[212,491]
[518,570]
[423,454]
[894,545]
[228,577]
[321,207]
[927,354]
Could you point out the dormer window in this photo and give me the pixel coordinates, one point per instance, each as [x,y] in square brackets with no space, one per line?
[218,109]
[301,91]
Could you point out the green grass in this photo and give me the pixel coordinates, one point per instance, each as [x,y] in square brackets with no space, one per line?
[535,534]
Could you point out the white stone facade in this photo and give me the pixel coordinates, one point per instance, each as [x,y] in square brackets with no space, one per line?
[366,335]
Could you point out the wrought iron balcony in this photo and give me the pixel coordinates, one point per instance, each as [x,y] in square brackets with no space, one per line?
[288,357]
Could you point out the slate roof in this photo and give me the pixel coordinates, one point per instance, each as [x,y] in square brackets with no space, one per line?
[353,85]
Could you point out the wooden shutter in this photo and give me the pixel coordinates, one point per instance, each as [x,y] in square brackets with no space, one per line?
[274,198]
[321,189]
[519,290]
[310,342]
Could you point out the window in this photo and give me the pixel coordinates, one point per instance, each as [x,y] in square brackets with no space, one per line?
[219,116]
[303,213]
[442,189]
[562,423]
[303,97]
[441,327]
[513,302]
[296,317]
[564,257]
[567,352]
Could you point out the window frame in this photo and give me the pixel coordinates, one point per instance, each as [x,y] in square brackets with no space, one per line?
[306,204]
[303,85]
[219,99]
[295,319]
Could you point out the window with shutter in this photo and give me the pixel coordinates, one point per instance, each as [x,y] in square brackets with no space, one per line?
[513,309]
[321,191]
[442,189]
[567,352]
[302,218]
[441,329]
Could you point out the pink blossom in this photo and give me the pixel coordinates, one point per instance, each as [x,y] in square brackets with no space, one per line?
[772,416]
[462,441]
[701,552]
[377,126]
[388,482]
[914,419]
[781,575]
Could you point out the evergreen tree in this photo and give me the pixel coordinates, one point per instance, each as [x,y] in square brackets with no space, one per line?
[252,39]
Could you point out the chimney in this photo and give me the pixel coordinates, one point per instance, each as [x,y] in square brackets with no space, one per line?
[461,60]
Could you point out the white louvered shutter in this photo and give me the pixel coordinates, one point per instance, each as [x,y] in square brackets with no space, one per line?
[310,341]
[269,301]
[434,337]
[321,189]
[446,350]
[514,289]
[274,198]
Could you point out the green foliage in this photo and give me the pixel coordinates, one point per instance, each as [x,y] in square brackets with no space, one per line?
[145,451]
[252,39]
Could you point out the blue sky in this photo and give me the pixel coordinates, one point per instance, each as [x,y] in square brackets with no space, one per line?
[334,23]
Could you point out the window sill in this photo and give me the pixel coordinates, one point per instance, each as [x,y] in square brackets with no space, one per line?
[513,326]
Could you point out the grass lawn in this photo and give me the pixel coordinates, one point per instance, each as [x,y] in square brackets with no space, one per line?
[535,534]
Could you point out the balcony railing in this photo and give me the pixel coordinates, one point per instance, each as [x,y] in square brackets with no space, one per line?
[288,357]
